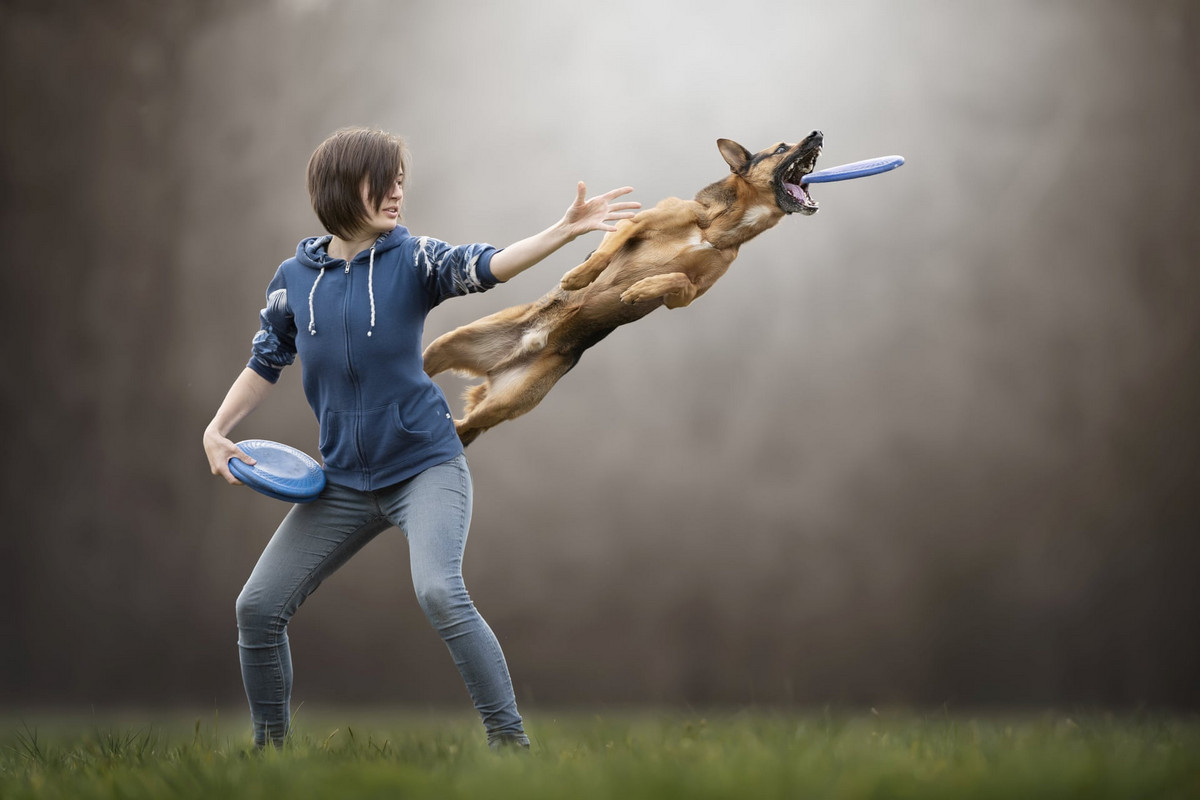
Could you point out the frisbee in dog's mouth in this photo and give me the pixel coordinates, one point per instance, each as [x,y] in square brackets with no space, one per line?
[807,204]
[793,197]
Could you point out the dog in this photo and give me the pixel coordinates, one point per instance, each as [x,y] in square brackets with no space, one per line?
[667,255]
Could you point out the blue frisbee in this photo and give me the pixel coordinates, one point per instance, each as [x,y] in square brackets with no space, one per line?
[855,169]
[282,472]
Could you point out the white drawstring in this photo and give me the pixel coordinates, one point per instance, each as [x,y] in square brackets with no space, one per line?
[312,322]
[371,285]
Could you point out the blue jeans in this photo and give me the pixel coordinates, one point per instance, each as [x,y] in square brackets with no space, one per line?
[433,509]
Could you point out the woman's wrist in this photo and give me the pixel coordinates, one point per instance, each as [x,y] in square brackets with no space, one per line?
[563,232]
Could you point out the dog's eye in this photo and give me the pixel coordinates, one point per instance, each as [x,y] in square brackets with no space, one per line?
[781,149]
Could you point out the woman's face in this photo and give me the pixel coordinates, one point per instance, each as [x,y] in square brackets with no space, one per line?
[384,218]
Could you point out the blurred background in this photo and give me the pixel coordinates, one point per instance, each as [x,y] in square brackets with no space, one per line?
[937,444]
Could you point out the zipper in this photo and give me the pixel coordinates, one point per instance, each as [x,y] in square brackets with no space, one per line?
[362,460]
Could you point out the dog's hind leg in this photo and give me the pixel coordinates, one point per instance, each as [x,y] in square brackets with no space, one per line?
[478,347]
[511,393]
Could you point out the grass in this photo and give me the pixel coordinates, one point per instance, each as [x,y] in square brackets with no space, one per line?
[751,754]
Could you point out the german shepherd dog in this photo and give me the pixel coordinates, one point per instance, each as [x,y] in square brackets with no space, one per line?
[666,255]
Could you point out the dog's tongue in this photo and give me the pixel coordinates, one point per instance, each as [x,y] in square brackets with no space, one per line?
[796,191]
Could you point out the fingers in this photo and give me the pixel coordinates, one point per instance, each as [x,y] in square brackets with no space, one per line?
[221,469]
[219,451]
[622,210]
[607,197]
[240,456]
[615,193]
[600,212]
[226,473]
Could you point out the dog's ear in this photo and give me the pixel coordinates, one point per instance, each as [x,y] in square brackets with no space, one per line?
[736,156]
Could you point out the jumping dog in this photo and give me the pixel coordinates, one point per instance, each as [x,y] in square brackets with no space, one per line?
[666,255]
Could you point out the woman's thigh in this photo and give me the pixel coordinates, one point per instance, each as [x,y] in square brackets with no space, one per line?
[311,543]
[433,510]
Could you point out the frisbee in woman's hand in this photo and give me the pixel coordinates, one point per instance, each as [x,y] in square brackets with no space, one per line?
[282,472]
[855,169]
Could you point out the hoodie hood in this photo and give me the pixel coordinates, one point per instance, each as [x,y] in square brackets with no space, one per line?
[313,252]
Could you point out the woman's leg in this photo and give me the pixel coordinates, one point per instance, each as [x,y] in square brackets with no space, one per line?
[311,543]
[434,511]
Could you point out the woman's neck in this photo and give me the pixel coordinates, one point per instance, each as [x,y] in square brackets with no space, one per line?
[347,249]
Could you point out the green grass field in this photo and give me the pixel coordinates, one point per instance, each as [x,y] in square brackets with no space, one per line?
[750,754]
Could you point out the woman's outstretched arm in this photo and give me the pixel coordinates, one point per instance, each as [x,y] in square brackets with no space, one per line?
[585,215]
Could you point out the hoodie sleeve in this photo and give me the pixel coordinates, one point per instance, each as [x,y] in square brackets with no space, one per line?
[274,346]
[450,271]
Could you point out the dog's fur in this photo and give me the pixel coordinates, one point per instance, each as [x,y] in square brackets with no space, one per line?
[666,255]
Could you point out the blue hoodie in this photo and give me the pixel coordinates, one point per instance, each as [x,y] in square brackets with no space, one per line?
[357,327]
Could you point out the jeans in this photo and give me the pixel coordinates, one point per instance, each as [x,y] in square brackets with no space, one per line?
[433,509]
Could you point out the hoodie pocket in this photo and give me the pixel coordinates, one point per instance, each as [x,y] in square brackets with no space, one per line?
[374,438]
[330,447]
[406,433]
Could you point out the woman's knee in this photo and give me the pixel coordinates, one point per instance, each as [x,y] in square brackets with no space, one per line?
[443,601]
[256,611]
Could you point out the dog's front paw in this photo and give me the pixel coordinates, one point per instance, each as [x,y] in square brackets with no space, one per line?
[631,296]
[576,279]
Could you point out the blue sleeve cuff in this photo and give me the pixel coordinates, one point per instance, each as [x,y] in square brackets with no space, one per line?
[269,374]
[484,270]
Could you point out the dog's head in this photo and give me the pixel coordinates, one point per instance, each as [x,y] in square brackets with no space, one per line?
[776,171]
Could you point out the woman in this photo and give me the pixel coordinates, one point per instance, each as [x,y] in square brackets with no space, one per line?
[352,304]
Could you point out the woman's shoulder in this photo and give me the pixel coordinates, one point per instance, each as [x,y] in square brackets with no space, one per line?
[397,241]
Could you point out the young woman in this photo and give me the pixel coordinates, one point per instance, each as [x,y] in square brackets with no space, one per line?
[352,304]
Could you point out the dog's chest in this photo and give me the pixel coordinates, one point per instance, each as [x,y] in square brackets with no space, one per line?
[696,241]
[753,218]
[732,234]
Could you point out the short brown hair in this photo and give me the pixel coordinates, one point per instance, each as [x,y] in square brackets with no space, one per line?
[336,170]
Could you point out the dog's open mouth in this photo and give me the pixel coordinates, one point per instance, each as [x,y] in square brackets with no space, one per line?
[792,195]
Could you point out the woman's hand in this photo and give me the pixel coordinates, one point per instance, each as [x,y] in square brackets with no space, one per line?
[244,396]
[598,213]
[219,450]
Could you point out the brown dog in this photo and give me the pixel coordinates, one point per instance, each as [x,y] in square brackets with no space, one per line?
[667,255]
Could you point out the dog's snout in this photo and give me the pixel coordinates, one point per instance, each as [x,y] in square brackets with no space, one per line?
[816,136]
